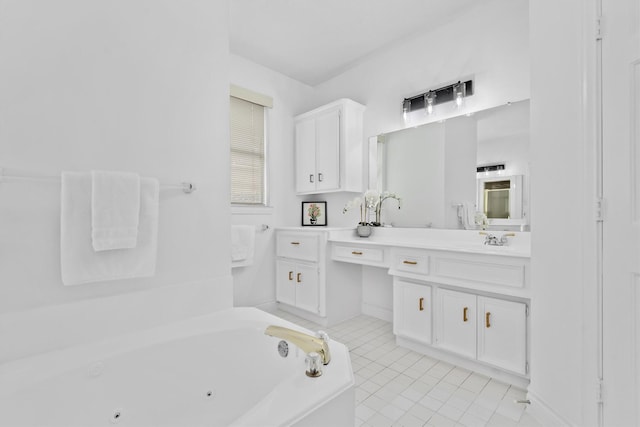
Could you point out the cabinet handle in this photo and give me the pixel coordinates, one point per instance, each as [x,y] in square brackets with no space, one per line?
[420,304]
[410,262]
[291,275]
[295,243]
[356,253]
[486,320]
[464,314]
[298,277]
[320,177]
[311,178]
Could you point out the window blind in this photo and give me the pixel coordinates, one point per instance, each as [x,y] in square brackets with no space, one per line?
[247,152]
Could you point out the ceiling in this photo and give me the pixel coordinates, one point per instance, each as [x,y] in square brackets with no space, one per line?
[315,40]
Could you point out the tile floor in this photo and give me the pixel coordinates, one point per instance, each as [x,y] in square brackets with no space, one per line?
[399,387]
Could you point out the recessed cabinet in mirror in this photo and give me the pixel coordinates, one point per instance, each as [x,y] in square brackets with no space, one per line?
[470,171]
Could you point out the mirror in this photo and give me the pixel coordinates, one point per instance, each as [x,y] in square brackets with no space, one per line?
[470,171]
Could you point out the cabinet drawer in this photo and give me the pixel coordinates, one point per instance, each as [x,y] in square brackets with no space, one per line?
[502,272]
[297,246]
[358,254]
[411,261]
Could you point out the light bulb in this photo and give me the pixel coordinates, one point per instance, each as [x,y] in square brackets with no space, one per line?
[459,92]
[406,108]
[430,98]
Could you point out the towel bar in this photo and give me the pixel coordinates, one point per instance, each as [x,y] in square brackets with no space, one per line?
[187,187]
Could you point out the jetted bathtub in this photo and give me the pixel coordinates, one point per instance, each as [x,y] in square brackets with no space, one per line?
[215,370]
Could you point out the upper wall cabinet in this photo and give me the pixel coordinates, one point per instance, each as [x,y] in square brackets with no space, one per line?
[329,150]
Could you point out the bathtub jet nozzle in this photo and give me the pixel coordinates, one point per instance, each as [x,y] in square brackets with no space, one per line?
[308,343]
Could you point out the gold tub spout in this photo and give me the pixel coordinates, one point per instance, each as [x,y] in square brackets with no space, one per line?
[306,342]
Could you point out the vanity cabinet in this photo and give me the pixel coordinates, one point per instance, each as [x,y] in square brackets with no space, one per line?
[329,147]
[297,270]
[490,330]
[311,285]
[454,298]
[297,284]
[412,311]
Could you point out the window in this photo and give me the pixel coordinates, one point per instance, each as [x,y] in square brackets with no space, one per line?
[247,131]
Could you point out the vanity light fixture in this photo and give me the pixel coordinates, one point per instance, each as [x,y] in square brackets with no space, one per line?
[455,92]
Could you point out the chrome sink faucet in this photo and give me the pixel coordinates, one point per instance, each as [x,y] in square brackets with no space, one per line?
[317,348]
[493,240]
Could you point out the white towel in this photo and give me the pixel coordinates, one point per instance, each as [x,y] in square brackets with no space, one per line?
[242,245]
[115,208]
[79,262]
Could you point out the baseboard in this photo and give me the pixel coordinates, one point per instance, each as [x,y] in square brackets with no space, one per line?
[542,412]
[377,312]
[269,307]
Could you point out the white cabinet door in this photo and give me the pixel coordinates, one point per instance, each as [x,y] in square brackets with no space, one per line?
[305,155]
[328,150]
[412,311]
[285,282]
[502,333]
[306,284]
[456,322]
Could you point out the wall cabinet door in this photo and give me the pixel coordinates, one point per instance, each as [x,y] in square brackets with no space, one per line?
[328,151]
[297,285]
[412,311]
[305,154]
[456,322]
[328,148]
[502,338]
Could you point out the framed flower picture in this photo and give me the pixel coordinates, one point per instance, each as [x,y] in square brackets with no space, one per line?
[314,213]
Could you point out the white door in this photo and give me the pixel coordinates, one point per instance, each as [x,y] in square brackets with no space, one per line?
[306,283]
[285,282]
[502,333]
[305,156]
[412,311]
[621,226]
[328,150]
[456,322]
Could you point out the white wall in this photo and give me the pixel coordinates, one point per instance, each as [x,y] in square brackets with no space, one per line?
[564,312]
[139,86]
[255,284]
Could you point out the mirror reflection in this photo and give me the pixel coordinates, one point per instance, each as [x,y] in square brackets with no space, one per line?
[469,172]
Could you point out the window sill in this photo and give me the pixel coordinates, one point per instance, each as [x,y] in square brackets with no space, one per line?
[251,210]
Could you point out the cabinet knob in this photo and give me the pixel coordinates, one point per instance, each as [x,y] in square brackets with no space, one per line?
[311,178]
[320,177]
[291,275]
[486,320]
[464,314]
[421,304]
[356,253]
[295,243]
[299,277]
[410,262]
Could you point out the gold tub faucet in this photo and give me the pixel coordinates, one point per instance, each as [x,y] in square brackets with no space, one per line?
[308,343]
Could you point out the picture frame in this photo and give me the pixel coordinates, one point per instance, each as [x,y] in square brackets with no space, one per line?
[314,214]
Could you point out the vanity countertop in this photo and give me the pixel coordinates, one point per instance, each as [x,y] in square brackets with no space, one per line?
[462,241]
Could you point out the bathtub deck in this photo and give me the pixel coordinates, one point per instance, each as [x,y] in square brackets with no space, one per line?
[399,387]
